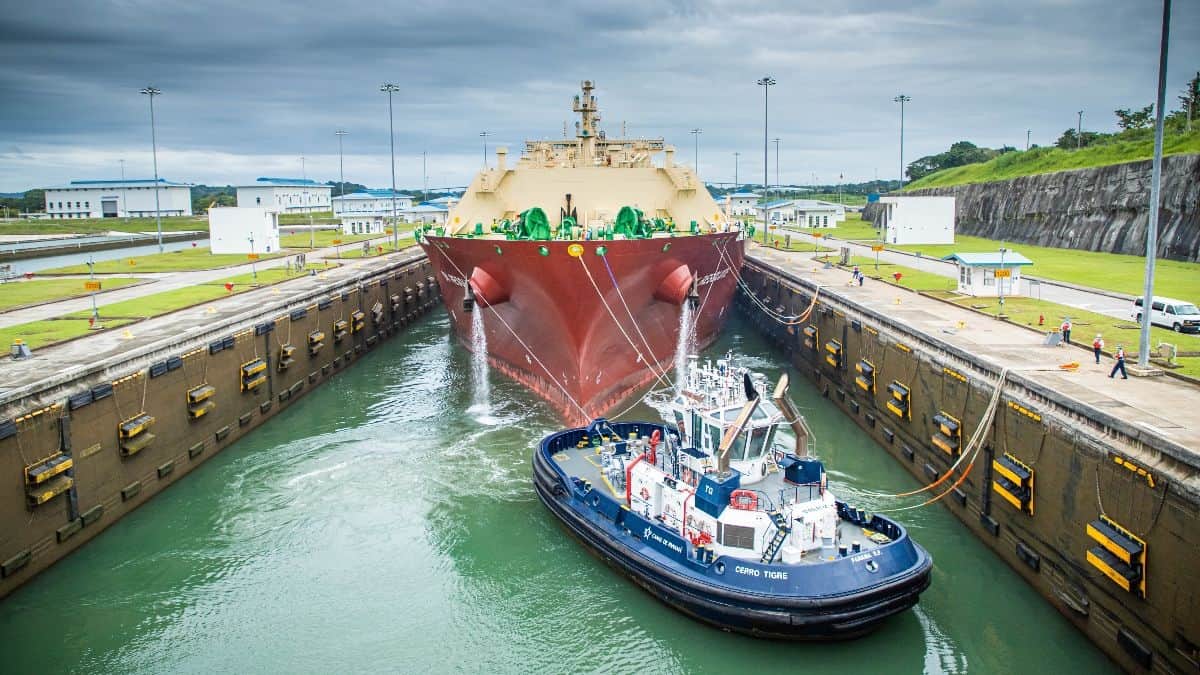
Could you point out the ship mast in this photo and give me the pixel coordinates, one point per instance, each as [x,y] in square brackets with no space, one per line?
[585,129]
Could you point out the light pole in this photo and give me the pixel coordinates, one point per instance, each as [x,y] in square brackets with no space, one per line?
[152,92]
[424,178]
[766,83]
[777,184]
[341,180]
[124,192]
[253,257]
[736,155]
[1000,283]
[390,89]
[1079,132]
[484,135]
[1155,180]
[1027,132]
[696,150]
[902,99]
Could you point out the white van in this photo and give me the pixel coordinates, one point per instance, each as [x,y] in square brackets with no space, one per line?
[1179,316]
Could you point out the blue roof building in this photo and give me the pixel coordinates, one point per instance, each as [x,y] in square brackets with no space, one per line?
[989,273]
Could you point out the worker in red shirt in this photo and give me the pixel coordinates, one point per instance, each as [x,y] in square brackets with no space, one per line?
[1120,364]
[1066,330]
[1097,346]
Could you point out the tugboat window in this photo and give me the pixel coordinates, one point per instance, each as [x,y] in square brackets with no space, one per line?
[738,536]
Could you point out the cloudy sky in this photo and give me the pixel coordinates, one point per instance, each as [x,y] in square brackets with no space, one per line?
[251,87]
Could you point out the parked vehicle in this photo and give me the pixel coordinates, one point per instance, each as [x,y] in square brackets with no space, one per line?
[1179,316]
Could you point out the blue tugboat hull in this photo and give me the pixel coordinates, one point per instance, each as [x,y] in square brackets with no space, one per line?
[840,599]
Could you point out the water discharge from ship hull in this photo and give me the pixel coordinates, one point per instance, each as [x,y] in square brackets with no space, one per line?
[684,344]
[481,403]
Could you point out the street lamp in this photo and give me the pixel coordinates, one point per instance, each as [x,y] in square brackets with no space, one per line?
[389,89]
[777,189]
[1027,132]
[484,135]
[736,155]
[1155,182]
[766,83]
[124,192]
[341,183]
[696,151]
[902,99]
[152,92]
[1000,282]
[1079,132]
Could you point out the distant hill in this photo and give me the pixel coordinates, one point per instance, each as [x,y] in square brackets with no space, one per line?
[11,195]
[1048,160]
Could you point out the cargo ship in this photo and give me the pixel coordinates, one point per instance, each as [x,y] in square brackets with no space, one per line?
[591,262]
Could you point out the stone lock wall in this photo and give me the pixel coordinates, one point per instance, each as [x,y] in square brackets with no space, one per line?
[1083,465]
[98,477]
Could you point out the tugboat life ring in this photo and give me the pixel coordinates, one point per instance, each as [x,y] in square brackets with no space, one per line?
[745,500]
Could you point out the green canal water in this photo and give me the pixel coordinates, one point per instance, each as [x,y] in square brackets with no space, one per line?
[378,526]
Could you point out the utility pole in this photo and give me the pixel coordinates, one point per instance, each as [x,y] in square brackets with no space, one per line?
[152,92]
[1027,133]
[736,155]
[766,83]
[1079,132]
[902,99]
[484,135]
[696,150]
[390,89]
[1155,181]
[1000,283]
[341,185]
[424,178]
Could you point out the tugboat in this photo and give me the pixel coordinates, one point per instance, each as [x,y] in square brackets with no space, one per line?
[716,516]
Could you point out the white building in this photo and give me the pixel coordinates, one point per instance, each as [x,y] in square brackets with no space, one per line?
[802,213]
[117,199]
[977,273]
[243,229]
[917,220]
[370,202]
[286,195]
[427,213]
[365,223]
[743,203]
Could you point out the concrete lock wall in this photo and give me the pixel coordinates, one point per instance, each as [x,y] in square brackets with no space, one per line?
[78,419]
[1084,464]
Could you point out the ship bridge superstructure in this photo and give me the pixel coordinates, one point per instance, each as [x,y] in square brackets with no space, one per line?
[577,188]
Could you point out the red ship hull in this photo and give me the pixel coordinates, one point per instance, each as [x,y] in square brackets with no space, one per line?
[573,342]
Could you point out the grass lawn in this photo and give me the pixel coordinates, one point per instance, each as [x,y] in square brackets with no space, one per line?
[854,228]
[169,301]
[19,293]
[101,225]
[41,333]
[1049,159]
[173,261]
[1110,271]
[321,238]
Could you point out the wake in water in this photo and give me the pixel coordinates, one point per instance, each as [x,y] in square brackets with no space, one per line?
[481,403]
[684,345]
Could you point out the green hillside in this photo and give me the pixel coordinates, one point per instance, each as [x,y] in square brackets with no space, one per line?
[1129,148]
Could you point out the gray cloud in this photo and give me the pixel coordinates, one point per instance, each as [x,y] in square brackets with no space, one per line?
[249,87]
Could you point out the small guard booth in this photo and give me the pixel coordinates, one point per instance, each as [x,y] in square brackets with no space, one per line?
[987,274]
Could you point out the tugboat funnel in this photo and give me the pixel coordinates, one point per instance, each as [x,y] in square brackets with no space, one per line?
[676,286]
[484,287]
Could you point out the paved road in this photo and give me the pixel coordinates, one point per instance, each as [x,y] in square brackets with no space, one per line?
[168,281]
[1047,290]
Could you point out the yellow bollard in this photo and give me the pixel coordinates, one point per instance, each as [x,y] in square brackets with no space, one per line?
[897,300]
[962,324]
[210,310]
[126,334]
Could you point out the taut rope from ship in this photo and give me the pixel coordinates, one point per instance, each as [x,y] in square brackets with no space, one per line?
[974,445]
[629,312]
[662,378]
[776,316]
[524,346]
